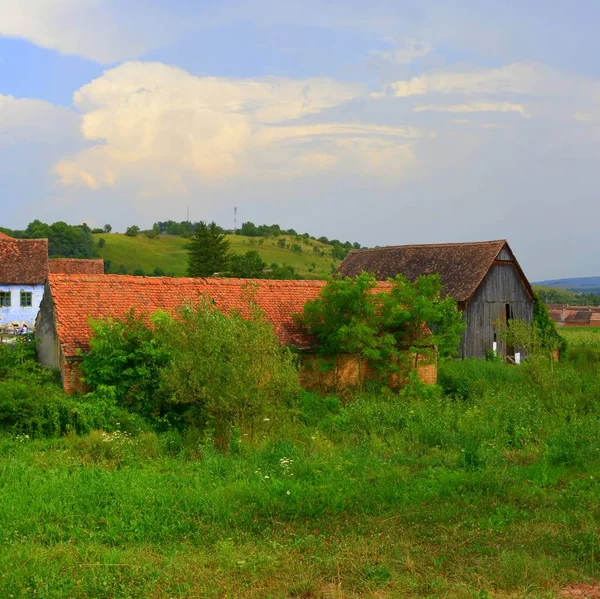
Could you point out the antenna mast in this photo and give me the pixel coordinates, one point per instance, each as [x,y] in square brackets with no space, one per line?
[234,219]
[188,214]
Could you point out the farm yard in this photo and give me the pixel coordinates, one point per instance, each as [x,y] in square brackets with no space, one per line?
[484,486]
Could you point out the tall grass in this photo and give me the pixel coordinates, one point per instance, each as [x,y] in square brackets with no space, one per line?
[486,486]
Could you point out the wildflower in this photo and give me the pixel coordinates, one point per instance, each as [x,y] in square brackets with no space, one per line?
[288,492]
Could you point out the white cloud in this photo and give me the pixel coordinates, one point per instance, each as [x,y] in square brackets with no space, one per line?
[102,30]
[161,127]
[407,54]
[34,121]
[522,78]
[473,107]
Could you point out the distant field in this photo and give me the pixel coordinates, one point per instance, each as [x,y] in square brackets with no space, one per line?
[169,253]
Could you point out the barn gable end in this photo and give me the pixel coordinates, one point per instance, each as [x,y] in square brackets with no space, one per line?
[484,278]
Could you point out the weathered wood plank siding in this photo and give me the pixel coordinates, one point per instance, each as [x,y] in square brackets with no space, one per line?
[502,285]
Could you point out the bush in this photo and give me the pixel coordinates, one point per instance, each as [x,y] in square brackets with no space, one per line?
[132,231]
[230,370]
[126,357]
[47,413]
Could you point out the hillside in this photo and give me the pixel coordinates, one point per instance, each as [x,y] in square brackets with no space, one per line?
[553,295]
[169,253]
[580,284]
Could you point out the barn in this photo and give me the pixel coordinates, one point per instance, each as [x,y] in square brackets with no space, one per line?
[484,278]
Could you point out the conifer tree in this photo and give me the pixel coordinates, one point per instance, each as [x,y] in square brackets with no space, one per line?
[209,251]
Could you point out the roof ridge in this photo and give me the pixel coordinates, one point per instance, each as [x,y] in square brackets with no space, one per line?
[225,281]
[424,245]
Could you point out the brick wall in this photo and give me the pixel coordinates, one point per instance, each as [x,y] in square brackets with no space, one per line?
[344,373]
[71,377]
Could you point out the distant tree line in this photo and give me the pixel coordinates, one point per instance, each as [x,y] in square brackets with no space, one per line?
[248,229]
[550,295]
[64,241]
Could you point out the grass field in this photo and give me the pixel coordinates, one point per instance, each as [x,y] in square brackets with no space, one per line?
[169,253]
[485,487]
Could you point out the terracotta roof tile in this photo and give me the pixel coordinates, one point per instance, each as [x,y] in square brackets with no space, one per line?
[76,266]
[77,298]
[580,316]
[23,261]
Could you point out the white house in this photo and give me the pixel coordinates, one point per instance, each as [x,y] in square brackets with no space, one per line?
[23,273]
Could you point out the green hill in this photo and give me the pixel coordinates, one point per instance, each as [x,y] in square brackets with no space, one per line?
[554,295]
[310,258]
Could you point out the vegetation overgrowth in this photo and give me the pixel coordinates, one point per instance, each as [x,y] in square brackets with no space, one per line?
[485,485]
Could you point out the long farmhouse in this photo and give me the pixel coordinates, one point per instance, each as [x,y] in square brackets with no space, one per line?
[63,327]
[484,278]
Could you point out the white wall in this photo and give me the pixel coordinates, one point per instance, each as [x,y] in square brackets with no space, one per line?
[16,313]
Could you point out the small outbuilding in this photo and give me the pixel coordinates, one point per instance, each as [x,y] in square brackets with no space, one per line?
[63,329]
[484,278]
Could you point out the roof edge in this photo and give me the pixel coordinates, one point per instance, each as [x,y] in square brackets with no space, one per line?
[430,245]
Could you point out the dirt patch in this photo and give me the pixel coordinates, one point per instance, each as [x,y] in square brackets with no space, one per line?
[584,591]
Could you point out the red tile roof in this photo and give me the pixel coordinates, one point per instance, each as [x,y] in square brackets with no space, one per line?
[461,266]
[5,236]
[76,266]
[77,298]
[23,261]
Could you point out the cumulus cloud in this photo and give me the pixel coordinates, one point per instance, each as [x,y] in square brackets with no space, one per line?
[160,125]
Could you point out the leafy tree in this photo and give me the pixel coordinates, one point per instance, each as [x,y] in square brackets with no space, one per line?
[107,228]
[126,356]
[209,251]
[281,242]
[352,317]
[64,241]
[247,266]
[132,231]
[232,371]
[101,242]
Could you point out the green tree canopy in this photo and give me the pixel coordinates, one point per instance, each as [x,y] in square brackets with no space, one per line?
[247,266]
[209,251]
[64,241]
[352,317]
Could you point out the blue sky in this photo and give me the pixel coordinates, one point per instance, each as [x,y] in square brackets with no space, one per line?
[381,122]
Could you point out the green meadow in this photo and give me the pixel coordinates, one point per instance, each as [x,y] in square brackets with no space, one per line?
[169,253]
[487,485]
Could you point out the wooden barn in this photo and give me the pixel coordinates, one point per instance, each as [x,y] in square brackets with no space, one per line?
[484,278]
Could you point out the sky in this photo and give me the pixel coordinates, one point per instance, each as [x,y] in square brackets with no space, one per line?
[385,122]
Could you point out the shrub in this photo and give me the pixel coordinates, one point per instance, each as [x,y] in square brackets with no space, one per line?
[126,356]
[230,370]
[33,404]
